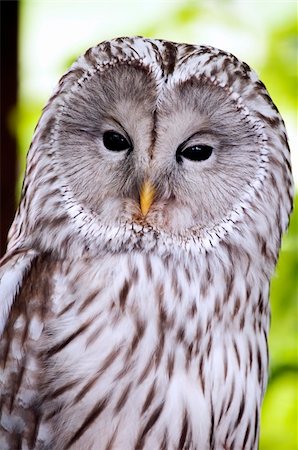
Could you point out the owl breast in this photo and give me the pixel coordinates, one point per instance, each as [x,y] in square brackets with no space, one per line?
[149,357]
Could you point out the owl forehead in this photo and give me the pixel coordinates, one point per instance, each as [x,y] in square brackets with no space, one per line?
[159,67]
[163,63]
[164,59]
[130,84]
[139,96]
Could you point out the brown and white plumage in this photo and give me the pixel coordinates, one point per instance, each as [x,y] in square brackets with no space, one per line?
[126,330]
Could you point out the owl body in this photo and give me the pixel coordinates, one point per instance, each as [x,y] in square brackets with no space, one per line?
[136,320]
[168,366]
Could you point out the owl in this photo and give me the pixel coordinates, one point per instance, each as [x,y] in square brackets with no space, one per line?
[134,291]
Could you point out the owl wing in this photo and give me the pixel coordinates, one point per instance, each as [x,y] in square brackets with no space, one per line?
[13,268]
[21,320]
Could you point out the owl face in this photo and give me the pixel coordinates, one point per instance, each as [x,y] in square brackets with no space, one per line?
[155,146]
[188,138]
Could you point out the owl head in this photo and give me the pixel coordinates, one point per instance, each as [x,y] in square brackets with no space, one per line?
[148,142]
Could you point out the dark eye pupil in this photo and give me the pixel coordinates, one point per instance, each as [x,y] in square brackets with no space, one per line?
[194,153]
[115,141]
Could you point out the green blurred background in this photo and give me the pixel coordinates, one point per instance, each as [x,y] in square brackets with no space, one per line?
[263,34]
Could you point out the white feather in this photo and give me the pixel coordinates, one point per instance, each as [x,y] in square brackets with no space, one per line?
[11,277]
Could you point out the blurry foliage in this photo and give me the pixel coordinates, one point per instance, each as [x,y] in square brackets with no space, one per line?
[278,71]
[279,413]
[280,67]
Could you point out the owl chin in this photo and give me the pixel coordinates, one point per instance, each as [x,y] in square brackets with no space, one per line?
[170,218]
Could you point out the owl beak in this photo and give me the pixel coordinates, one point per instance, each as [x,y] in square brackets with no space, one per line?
[147,193]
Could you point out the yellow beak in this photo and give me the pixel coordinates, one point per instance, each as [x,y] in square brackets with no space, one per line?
[146,196]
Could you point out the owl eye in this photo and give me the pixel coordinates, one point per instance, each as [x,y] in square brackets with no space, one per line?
[115,141]
[194,153]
